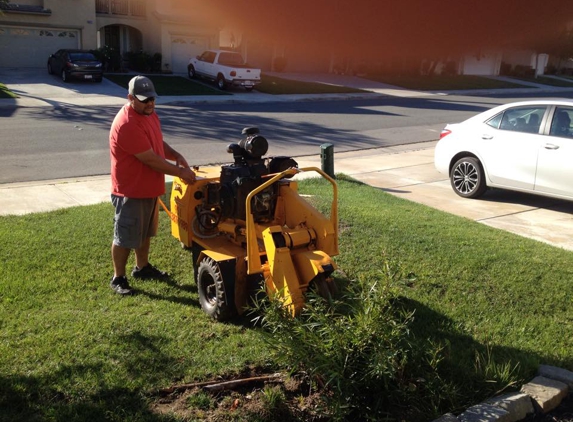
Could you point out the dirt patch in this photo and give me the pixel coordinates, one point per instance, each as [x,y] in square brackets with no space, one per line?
[263,397]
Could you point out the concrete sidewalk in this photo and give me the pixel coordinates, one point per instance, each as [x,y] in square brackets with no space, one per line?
[38,89]
[406,171]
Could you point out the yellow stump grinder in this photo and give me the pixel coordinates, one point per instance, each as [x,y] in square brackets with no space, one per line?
[247,226]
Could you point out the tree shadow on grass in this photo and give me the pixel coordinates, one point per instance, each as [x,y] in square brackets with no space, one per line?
[55,396]
[479,370]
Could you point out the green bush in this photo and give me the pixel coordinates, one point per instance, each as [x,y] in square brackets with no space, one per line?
[358,349]
[110,58]
[144,62]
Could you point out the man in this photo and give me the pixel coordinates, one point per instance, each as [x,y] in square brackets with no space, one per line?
[138,167]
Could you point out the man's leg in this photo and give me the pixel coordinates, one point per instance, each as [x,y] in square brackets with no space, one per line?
[119,257]
[142,253]
[143,269]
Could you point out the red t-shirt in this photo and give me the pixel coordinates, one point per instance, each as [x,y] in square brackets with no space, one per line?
[133,133]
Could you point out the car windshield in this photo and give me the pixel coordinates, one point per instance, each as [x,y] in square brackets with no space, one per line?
[82,56]
[231,59]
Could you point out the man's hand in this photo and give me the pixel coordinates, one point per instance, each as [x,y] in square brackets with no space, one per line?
[187,175]
[180,161]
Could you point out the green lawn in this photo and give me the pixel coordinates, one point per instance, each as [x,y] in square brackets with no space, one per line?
[170,85]
[167,85]
[5,92]
[443,82]
[275,85]
[544,80]
[488,307]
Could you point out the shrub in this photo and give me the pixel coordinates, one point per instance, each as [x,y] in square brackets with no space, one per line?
[144,62]
[110,58]
[358,348]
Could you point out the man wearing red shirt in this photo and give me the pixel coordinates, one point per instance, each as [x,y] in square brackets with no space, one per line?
[138,167]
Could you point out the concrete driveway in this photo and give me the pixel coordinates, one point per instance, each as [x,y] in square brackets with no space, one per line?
[41,89]
[408,171]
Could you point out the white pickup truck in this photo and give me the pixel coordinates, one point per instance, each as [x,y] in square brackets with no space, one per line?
[225,68]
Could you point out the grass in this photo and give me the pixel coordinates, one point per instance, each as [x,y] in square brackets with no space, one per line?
[443,82]
[5,92]
[177,85]
[488,307]
[170,85]
[544,80]
[277,86]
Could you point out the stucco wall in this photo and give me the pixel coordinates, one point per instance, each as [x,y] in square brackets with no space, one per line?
[76,14]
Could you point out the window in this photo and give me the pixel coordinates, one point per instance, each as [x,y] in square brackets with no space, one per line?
[494,121]
[522,119]
[231,59]
[561,123]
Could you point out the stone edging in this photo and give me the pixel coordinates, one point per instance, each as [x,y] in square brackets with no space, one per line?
[541,395]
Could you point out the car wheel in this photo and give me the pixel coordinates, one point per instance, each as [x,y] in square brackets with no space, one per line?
[50,71]
[221,82]
[64,76]
[467,178]
[191,72]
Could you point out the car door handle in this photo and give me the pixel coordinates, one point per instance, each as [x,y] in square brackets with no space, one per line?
[486,136]
[551,146]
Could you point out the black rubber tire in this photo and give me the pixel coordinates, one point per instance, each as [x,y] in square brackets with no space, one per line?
[221,82]
[98,80]
[211,287]
[467,178]
[191,72]
[50,71]
[64,76]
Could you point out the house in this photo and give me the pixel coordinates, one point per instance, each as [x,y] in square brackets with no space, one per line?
[31,30]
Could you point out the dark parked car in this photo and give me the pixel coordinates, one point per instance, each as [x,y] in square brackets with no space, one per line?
[75,64]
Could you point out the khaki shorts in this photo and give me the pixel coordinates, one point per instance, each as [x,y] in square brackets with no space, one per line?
[135,220]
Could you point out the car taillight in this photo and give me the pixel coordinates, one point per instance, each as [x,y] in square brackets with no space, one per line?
[233,73]
[444,133]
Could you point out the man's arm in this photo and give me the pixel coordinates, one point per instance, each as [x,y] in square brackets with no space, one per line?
[161,165]
[171,154]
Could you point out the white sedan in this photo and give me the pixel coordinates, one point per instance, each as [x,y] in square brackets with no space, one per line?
[525,146]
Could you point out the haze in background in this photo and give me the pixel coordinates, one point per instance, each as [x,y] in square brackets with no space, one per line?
[378,29]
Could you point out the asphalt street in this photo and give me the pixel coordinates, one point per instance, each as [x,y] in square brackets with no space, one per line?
[403,169]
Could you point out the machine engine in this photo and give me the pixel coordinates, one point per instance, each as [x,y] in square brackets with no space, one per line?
[226,198]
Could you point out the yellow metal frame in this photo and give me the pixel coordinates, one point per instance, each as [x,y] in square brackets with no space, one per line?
[297,245]
[253,256]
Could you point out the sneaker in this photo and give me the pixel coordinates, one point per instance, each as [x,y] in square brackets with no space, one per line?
[121,286]
[149,271]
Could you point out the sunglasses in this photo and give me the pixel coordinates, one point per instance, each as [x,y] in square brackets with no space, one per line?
[146,100]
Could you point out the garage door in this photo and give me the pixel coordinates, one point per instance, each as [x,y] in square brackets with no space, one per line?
[31,47]
[182,49]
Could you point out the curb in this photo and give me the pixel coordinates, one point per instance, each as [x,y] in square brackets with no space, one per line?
[541,395]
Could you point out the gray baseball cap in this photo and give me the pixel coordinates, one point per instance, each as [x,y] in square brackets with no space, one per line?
[142,88]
